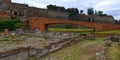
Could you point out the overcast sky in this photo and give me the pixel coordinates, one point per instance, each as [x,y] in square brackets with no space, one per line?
[110,7]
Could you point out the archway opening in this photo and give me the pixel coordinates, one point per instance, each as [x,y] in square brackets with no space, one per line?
[69,28]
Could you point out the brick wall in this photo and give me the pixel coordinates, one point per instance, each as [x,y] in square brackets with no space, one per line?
[41,23]
[5,14]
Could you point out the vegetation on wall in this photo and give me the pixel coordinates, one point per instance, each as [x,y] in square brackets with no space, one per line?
[117,21]
[100,13]
[19,25]
[8,24]
[73,12]
[54,7]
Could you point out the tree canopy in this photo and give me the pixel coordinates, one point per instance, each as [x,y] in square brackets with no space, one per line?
[90,11]
[73,13]
[54,7]
[73,10]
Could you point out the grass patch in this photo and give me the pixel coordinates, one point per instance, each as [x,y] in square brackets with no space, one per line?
[31,58]
[73,52]
[81,31]
[71,30]
[108,32]
[114,52]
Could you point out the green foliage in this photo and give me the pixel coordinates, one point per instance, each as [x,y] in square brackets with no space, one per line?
[72,16]
[54,7]
[19,25]
[73,10]
[100,13]
[60,8]
[73,13]
[8,24]
[79,31]
[116,32]
[117,21]
[90,11]
[81,11]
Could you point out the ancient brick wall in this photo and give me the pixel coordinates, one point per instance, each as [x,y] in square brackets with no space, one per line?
[5,14]
[19,10]
[23,11]
[42,23]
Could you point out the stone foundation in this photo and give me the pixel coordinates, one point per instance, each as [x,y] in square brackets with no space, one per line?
[25,52]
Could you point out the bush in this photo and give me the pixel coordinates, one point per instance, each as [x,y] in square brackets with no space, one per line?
[19,25]
[8,24]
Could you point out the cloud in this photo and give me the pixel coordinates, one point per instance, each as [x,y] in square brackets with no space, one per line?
[107,6]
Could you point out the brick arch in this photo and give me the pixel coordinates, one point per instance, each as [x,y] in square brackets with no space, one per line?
[41,23]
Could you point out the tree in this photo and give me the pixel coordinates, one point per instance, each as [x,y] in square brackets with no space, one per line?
[100,13]
[54,7]
[60,8]
[73,16]
[81,11]
[90,11]
[73,10]
[73,13]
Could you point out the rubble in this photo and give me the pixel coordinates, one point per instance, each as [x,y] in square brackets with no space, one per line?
[40,43]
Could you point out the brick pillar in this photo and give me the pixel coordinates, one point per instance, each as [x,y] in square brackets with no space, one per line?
[6,32]
[43,27]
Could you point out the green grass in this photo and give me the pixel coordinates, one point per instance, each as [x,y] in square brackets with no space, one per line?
[114,52]
[108,32]
[73,52]
[71,30]
[84,31]
[31,58]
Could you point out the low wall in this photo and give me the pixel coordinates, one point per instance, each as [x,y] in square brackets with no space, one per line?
[17,54]
[25,53]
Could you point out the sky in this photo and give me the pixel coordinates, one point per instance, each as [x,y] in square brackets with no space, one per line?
[110,7]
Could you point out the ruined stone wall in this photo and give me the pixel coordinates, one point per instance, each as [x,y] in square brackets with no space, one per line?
[104,19]
[19,10]
[25,53]
[23,11]
[83,18]
[5,4]
[19,54]
[47,13]
[57,14]
[97,19]
[37,12]
[5,9]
